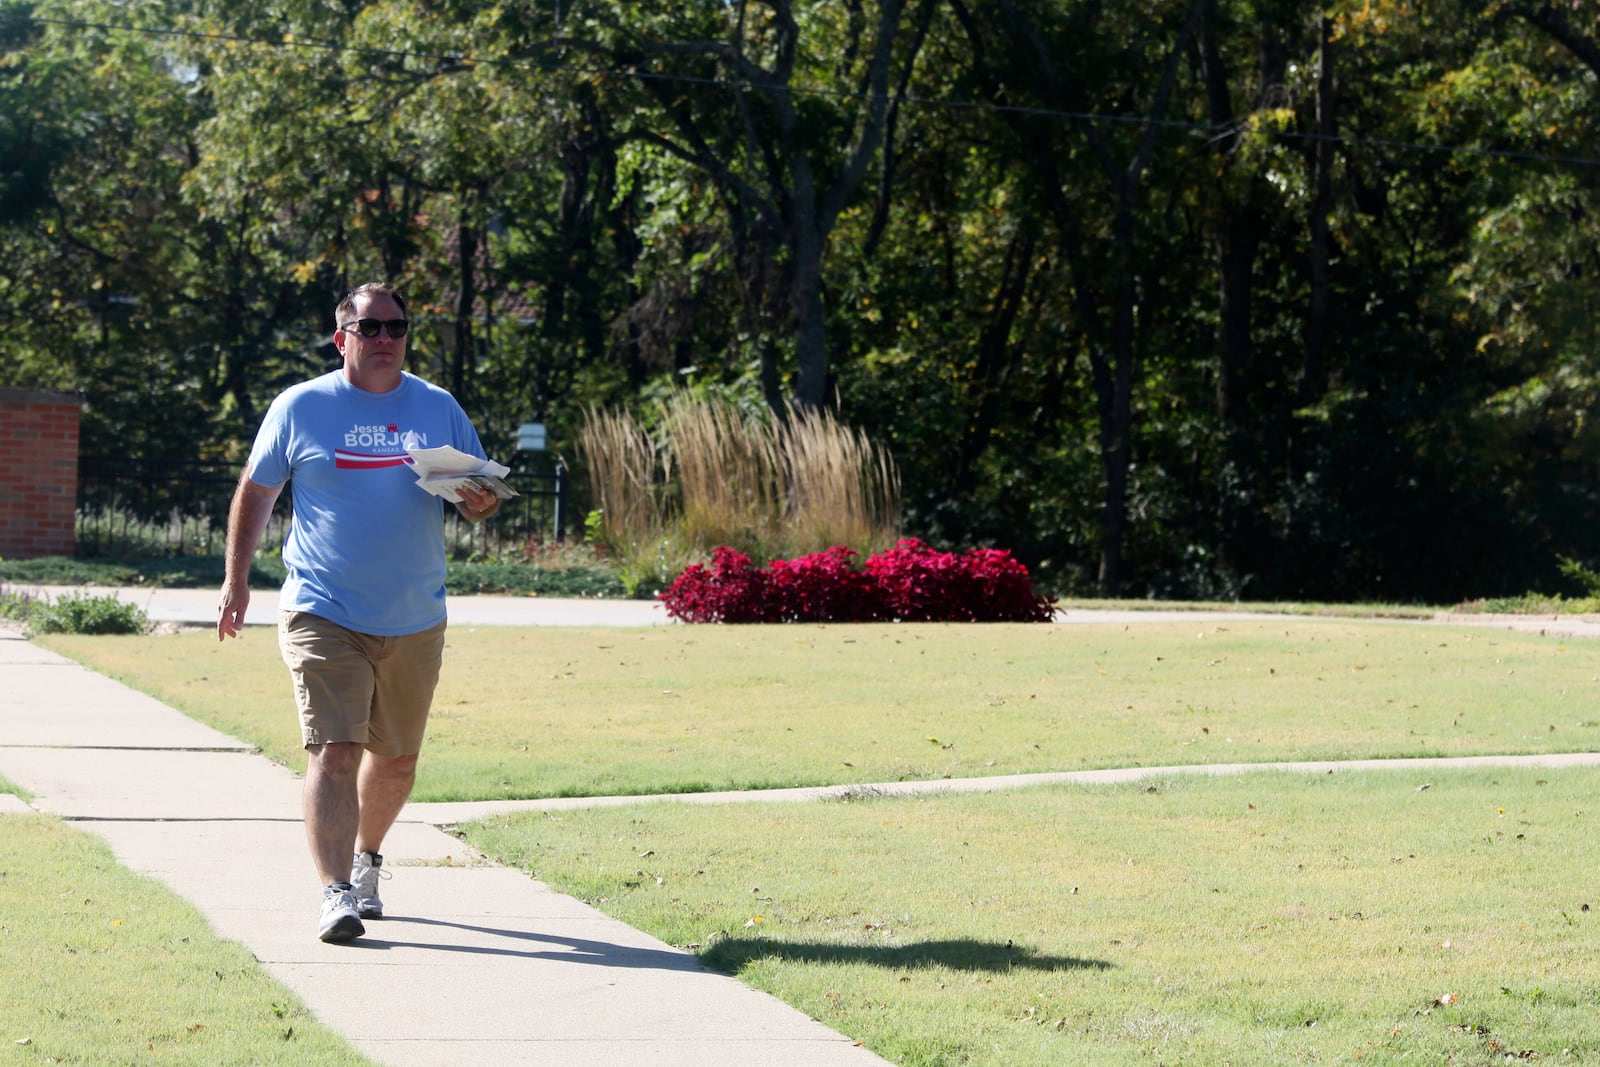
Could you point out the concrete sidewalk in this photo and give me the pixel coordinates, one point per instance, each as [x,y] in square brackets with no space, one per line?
[476,962]
[198,607]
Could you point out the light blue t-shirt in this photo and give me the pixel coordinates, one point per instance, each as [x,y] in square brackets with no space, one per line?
[366,545]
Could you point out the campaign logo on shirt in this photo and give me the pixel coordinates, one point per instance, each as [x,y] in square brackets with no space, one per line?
[376,447]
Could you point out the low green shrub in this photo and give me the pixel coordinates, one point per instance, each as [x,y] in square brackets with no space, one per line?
[1531,604]
[15,604]
[160,572]
[574,572]
[522,579]
[1584,579]
[63,570]
[83,614]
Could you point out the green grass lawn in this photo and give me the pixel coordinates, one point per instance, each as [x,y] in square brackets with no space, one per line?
[1400,916]
[527,712]
[1272,918]
[104,966]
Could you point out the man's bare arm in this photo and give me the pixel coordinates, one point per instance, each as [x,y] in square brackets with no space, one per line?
[247,521]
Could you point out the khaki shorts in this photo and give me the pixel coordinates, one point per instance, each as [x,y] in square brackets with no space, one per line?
[375,691]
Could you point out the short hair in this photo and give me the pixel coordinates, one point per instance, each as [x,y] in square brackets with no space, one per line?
[347,306]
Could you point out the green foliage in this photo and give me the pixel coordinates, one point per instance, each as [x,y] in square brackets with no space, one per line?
[133,569]
[62,570]
[1532,604]
[1387,916]
[532,580]
[72,613]
[543,575]
[1586,577]
[778,706]
[646,568]
[15,605]
[77,613]
[1084,319]
[120,970]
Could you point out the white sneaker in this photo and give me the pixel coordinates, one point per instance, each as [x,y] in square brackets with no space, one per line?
[339,919]
[365,870]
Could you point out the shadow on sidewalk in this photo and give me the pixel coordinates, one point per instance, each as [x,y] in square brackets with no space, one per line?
[563,949]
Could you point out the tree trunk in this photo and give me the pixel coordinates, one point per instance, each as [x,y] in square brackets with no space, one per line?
[1111,364]
[1236,245]
[810,329]
[1237,242]
[1559,28]
[467,296]
[995,358]
[1316,340]
[1116,434]
[805,246]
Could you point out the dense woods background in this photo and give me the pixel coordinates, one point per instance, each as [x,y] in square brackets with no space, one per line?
[1221,298]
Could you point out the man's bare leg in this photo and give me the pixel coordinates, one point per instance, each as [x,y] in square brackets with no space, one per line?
[383,786]
[329,801]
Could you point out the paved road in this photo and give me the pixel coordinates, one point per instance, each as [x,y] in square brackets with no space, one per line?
[198,607]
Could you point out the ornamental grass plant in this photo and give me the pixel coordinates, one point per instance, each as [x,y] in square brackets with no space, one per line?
[726,466]
[839,487]
[622,468]
[714,475]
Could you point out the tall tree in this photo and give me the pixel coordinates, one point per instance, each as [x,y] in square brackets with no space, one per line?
[1023,54]
[744,103]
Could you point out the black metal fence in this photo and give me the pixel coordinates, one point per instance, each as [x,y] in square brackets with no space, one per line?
[180,507]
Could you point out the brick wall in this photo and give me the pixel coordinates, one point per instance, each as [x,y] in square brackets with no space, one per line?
[38,472]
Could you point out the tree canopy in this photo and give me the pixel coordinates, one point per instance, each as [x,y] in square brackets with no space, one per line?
[1201,298]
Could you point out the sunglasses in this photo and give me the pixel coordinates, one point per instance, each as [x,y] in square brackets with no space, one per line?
[371,327]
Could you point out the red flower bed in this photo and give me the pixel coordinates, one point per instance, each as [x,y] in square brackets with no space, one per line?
[910,583]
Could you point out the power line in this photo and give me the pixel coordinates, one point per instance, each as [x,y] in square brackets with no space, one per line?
[464,61]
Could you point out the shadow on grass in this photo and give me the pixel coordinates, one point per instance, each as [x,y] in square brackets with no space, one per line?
[735,955]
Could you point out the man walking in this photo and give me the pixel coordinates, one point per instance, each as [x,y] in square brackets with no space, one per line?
[362,612]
